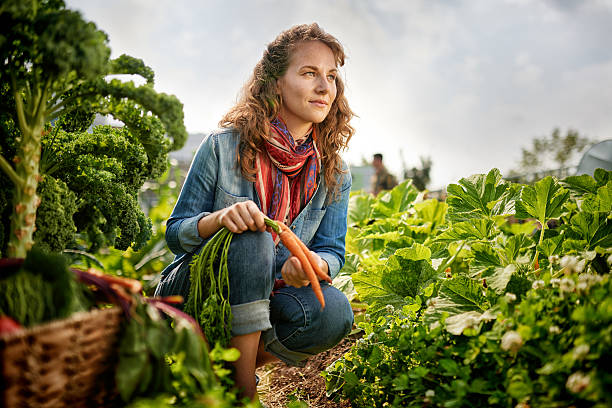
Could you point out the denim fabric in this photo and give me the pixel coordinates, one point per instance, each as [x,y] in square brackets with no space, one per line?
[214,181]
[293,325]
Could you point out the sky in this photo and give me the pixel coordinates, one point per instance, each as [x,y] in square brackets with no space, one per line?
[465,83]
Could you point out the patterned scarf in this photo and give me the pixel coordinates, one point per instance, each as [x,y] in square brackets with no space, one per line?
[287,174]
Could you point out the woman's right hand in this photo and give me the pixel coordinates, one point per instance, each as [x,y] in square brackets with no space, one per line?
[240,217]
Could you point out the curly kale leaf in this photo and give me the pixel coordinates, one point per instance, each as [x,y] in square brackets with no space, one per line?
[54,223]
[105,169]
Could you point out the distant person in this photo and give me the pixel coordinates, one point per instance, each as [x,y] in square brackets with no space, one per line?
[383,180]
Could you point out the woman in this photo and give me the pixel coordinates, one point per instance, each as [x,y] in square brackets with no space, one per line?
[278,155]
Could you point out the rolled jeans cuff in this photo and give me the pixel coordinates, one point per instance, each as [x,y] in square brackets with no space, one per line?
[273,346]
[251,317]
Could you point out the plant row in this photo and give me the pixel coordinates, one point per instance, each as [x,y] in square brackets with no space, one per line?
[499,296]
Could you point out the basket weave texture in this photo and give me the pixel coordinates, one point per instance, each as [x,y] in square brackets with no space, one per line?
[65,363]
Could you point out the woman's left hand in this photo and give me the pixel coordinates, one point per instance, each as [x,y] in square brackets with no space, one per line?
[293,274]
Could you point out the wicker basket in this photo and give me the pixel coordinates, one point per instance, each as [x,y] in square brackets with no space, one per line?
[66,363]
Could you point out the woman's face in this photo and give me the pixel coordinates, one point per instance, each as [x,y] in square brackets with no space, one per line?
[308,88]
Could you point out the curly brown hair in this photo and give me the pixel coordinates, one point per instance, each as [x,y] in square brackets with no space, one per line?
[259,103]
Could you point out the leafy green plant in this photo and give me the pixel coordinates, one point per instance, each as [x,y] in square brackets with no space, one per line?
[53,74]
[480,310]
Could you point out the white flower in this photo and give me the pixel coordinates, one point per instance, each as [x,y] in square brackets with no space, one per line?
[567,285]
[430,393]
[510,297]
[610,260]
[554,282]
[579,267]
[539,284]
[569,262]
[577,382]
[581,351]
[553,259]
[554,330]
[511,341]
[389,309]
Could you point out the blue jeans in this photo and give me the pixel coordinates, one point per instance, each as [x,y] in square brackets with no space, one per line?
[292,323]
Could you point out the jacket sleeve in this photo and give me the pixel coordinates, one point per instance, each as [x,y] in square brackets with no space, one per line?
[195,201]
[329,240]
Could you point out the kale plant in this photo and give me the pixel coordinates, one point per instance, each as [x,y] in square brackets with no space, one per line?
[65,182]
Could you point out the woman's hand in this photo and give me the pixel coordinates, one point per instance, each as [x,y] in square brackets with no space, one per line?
[237,218]
[240,217]
[294,275]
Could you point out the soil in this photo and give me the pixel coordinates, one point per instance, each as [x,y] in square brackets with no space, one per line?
[278,381]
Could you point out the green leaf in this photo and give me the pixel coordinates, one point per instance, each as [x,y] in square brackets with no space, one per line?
[371,290]
[408,271]
[457,295]
[485,256]
[431,213]
[458,323]
[399,199]
[581,184]
[479,196]
[551,246]
[498,280]
[515,245]
[594,228]
[360,208]
[527,227]
[543,201]
[602,201]
[477,229]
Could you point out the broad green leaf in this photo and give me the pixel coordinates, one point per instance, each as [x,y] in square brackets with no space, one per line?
[344,283]
[574,245]
[499,278]
[515,245]
[431,212]
[360,208]
[485,256]
[457,295]
[408,271]
[351,264]
[602,176]
[581,184]
[516,228]
[476,229]
[602,201]
[399,199]
[370,289]
[551,246]
[542,201]
[594,228]
[458,323]
[416,252]
[478,196]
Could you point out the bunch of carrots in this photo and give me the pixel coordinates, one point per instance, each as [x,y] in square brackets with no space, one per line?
[208,300]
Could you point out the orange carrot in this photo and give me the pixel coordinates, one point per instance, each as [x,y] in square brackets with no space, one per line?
[313,261]
[292,242]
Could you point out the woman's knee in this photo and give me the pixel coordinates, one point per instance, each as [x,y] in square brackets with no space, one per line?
[301,324]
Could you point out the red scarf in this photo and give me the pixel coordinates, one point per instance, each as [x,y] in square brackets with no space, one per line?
[287,174]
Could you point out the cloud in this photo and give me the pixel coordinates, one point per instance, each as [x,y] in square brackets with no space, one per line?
[466,83]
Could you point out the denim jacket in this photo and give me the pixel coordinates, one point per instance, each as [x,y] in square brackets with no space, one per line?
[214,181]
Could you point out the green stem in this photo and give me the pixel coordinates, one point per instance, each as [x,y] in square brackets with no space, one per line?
[535,258]
[10,172]
[272,224]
